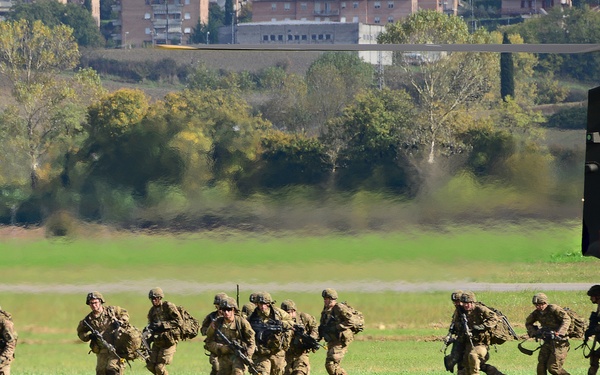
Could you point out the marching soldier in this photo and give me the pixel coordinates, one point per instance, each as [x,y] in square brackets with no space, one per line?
[213,359]
[232,327]
[550,323]
[273,332]
[8,342]
[98,327]
[296,356]
[164,322]
[594,329]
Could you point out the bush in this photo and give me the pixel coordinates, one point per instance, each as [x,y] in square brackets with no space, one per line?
[570,118]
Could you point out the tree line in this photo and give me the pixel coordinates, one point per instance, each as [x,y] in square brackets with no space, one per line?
[210,151]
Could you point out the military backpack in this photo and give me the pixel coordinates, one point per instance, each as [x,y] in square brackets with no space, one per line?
[128,343]
[357,320]
[191,325]
[578,325]
[503,331]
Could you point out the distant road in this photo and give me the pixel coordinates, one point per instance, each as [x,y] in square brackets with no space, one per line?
[191,288]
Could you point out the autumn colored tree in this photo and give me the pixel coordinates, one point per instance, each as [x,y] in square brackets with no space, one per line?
[49,107]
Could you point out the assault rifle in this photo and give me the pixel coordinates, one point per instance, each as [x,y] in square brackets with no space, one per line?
[98,336]
[264,330]
[547,334]
[147,338]
[308,342]
[450,337]
[468,332]
[590,331]
[237,349]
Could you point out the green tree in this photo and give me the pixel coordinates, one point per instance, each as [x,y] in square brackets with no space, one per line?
[365,141]
[53,13]
[333,80]
[443,83]
[507,72]
[216,135]
[48,105]
[287,108]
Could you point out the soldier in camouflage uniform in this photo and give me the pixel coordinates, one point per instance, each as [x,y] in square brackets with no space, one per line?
[334,328]
[550,323]
[249,307]
[164,324]
[105,320]
[237,329]
[457,352]
[297,355]
[8,342]
[594,329]
[480,321]
[212,359]
[273,332]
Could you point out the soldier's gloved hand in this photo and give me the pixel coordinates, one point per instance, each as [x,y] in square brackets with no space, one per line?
[478,327]
[115,324]
[157,327]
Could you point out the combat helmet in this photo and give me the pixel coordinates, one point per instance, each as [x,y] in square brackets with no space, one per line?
[594,291]
[468,297]
[156,292]
[253,297]
[93,295]
[455,296]
[539,298]
[329,293]
[264,297]
[288,305]
[219,297]
[228,303]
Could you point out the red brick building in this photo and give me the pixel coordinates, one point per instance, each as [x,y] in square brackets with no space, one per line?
[353,11]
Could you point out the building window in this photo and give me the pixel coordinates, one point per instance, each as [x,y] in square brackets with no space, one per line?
[342,19]
[377,20]
[187,30]
[355,19]
[377,5]
[265,38]
[390,5]
[321,36]
[187,16]
[313,37]
[272,38]
[147,16]
[304,37]
[187,2]
[286,6]
[303,6]
[390,19]
[290,37]
[327,36]
[148,31]
[343,5]
[273,6]
[296,37]
[355,5]
[303,19]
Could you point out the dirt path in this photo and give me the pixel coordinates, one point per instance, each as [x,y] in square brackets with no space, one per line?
[192,288]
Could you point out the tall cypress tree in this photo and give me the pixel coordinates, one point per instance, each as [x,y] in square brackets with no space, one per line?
[507,72]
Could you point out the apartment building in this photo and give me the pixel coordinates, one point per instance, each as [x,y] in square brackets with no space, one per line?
[149,22]
[530,7]
[5,6]
[372,12]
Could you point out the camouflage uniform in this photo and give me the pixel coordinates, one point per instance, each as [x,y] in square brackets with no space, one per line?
[269,357]
[334,329]
[212,359]
[237,331]
[480,321]
[8,342]
[164,322]
[553,352]
[106,323]
[594,329]
[455,331]
[296,356]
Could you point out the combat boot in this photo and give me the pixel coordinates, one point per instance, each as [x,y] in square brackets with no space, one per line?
[489,369]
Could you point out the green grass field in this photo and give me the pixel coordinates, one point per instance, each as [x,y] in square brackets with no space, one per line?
[45,282]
